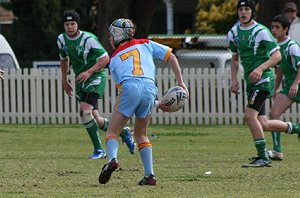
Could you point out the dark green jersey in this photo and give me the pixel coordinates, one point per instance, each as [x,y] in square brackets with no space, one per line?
[254,44]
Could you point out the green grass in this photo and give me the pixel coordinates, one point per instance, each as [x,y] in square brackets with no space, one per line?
[51,161]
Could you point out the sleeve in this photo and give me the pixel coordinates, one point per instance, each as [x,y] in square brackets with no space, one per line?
[61,47]
[265,37]
[232,45]
[161,52]
[94,45]
[295,54]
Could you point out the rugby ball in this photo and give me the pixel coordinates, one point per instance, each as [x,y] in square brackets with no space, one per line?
[175,98]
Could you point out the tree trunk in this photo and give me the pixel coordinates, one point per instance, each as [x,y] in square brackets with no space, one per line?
[139,11]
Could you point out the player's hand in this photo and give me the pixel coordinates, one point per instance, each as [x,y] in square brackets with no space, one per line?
[83,76]
[68,88]
[255,75]
[163,106]
[293,90]
[184,87]
[235,87]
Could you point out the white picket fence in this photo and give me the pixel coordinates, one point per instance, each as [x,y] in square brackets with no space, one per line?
[36,96]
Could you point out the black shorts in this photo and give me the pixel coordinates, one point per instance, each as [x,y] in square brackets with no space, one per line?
[256,101]
[91,98]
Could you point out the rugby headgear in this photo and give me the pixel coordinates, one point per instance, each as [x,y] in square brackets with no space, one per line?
[247,3]
[122,30]
[71,15]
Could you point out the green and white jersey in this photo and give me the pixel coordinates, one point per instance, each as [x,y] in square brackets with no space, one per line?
[84,50]
[290,61]
[289,65]
[254,44]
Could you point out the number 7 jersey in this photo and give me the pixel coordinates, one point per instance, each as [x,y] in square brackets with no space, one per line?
[135,58]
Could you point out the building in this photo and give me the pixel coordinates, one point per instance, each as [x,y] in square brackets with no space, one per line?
[181,12]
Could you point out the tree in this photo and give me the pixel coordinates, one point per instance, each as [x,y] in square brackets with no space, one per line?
[215,17]
[218,16]
[139,11]
[34,32]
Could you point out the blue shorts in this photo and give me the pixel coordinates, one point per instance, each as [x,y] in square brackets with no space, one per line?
[136,96]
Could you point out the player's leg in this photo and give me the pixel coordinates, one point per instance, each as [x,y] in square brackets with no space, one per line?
[125,134]
[116,124]
[255,107]
[145,149]
[280,105]
[143,113]
[124,109]
[88,120]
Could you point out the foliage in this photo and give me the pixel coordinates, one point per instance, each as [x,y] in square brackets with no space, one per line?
[38,23]
[51,161]
[215,17]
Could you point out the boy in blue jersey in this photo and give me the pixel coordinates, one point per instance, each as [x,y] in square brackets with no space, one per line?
[88,58]
[133,71]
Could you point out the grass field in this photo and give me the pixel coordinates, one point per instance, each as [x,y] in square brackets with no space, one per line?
[51,161]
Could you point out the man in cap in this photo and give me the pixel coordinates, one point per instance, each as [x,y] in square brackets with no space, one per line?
[290,10]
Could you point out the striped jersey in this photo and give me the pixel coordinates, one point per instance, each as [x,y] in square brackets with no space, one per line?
[290,61]
[84,51]
[254,44]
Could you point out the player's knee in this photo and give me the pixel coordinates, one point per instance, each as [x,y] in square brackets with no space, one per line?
[86,116]
[274,115]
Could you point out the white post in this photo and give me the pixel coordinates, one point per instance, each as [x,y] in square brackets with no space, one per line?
[170,20]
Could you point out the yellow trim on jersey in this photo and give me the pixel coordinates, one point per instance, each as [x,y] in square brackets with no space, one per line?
[168,54]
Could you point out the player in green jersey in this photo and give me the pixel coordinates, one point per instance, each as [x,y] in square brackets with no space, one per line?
[88,58]
[255,46]
[289,69]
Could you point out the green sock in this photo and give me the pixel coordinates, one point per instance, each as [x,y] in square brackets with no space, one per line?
[260,145]
[293,128]
[105,126]
[94,133]
[123,133]
[276,136]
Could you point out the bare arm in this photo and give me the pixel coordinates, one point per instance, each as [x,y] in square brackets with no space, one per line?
[234,70]
[294,88]
[102,62]
[177,71]
[256,74]
[64,68]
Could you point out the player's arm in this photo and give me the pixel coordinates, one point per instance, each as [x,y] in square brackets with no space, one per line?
[100,64]
[256,74]
[177,71]
[294,88]
[234,70]
[64,68]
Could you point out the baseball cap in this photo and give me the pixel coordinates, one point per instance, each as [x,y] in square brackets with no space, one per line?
[290,5]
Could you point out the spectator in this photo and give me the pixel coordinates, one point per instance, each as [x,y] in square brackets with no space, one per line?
[290,10]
